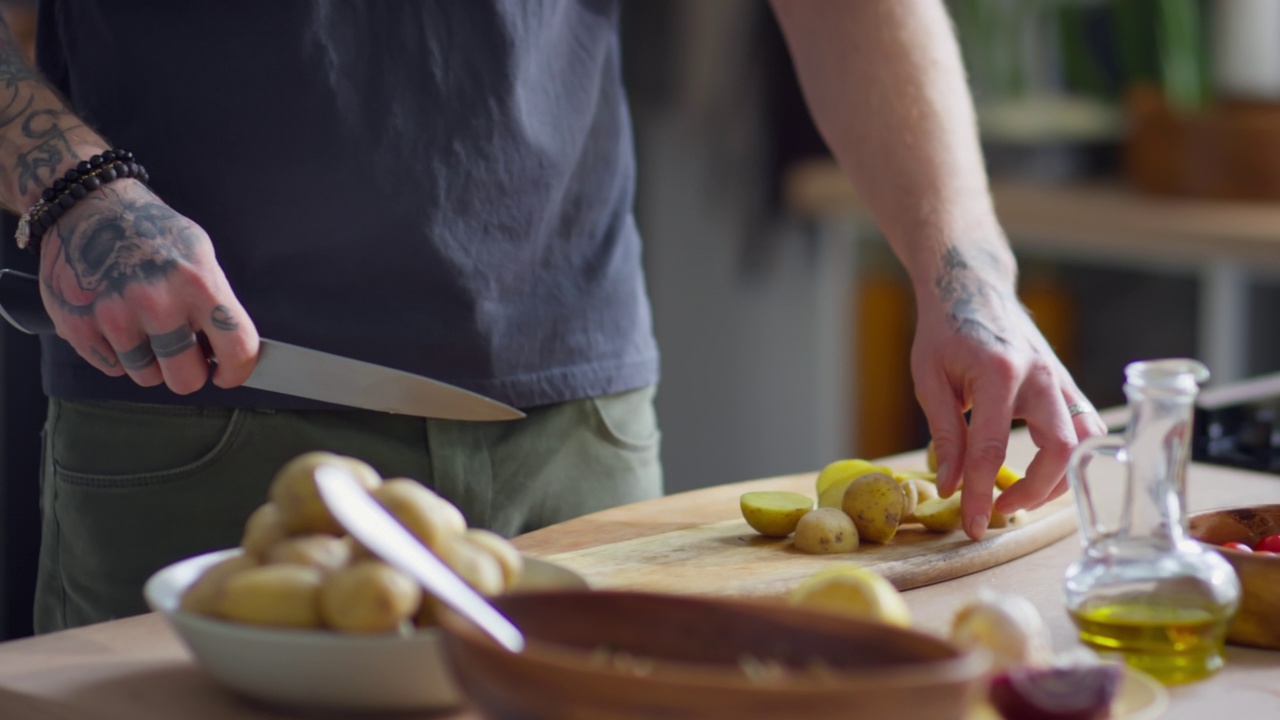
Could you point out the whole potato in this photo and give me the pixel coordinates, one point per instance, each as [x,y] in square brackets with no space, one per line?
[324,552]
[368,597]
[422,512]
[273,595]
[478,567]
[205,593]
[826,530]
[294,492]
[774,514]
[503,551]
[262,530]
[875,503]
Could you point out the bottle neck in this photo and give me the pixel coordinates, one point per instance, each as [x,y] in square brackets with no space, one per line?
[1159,442]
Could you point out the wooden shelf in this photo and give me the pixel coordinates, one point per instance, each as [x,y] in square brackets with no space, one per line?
[1102,222]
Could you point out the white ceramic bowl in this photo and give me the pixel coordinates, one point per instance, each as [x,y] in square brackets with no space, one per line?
[318,669]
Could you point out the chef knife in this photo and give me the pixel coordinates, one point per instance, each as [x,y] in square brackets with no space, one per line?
[301,372]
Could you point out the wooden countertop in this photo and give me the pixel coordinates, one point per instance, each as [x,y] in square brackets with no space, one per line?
[137,668]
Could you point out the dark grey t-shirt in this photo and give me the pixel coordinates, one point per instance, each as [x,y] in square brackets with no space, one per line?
[439,186]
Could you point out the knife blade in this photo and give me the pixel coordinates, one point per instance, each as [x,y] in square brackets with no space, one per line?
[375,528]
[301,372]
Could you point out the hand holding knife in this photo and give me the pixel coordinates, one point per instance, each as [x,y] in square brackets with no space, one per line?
[300,371]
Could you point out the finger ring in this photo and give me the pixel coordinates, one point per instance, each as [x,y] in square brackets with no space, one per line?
[1080,408]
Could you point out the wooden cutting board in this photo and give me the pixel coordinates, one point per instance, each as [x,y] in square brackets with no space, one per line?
[727,557]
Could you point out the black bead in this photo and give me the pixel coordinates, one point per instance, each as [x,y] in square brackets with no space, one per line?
[108,174]
[78,191]
[71,176]
[55,211]
[124,155]
[59,185]
[47,195]
[108,157]
[145,178]
[91,183]
[67,200]
[44,221]
[83,167]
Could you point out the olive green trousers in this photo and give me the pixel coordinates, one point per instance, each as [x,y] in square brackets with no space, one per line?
[127,489]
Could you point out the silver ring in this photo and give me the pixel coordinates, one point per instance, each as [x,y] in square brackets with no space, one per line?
[1080,408]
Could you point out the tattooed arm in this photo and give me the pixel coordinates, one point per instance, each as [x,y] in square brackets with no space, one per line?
[127,281]
[885,83]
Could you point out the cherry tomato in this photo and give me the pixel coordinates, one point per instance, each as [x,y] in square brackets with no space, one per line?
[1238,546]
[1270,543]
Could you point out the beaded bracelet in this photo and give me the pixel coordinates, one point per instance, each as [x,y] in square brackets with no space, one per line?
[75,184]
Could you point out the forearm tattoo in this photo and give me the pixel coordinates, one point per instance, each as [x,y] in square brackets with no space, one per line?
[110,243]
[222,319]
[970,298]
[43,131]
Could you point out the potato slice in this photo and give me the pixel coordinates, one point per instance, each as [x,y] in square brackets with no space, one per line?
[833,495]
[910,498]
[774,514]
[295,493]
[925,491]
[368,597]
[1006,477]
[941,515]
[840,470]
[875,503]
[826,530]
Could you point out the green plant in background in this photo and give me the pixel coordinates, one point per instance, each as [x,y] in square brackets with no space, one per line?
[1087,48]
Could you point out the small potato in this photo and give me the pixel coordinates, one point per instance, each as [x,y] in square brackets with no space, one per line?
[273,595]
[422,512]
[826,530]
[941,515]
[368,597]
[262,530]
[203,596]
[476,566]
[294,491]
[875,503]
[833,495]
[774,514]
[320,551]
[840,470]
[503,551]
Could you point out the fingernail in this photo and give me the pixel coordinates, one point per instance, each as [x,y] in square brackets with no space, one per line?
[978,527]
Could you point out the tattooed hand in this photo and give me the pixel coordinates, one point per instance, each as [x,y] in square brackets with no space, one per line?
[976,348]
[129,283]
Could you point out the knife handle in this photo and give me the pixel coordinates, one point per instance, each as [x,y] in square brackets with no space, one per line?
[21,304]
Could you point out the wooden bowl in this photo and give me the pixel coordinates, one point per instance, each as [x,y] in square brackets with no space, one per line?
[613,655]
[1258,622]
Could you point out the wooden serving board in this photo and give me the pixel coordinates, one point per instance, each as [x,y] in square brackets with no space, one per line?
[727,557]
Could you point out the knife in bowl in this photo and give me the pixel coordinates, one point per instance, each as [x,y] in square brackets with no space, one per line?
[301,372]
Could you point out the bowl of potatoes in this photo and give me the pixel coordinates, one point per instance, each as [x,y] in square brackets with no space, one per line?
[301,615]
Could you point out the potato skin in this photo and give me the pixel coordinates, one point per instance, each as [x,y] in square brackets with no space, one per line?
[428,516]
[824,531]
[273,595]
[940,515]
[875,503]
[294,492]
[368,597]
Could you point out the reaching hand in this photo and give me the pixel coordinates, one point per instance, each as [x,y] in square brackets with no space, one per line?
[129,283]
[977,349]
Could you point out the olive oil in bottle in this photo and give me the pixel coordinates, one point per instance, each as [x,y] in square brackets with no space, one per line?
[1171,642]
